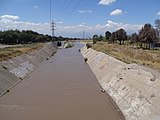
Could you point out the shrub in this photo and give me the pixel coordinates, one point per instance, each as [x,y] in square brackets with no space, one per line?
[94,41]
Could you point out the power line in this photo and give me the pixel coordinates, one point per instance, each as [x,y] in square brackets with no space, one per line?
[50,3]
[78,3]
[65,10]
[65,5]
[52,23]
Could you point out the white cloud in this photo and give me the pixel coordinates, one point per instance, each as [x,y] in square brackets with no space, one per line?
[85,11]
[158,13]
[97,29]
[117,12]
[65,30]
[10,17]
[106,2]
[82,25]
[35,6]
[130,28]
[59,22]
[12,22]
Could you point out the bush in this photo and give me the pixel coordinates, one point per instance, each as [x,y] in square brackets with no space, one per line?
[94,41]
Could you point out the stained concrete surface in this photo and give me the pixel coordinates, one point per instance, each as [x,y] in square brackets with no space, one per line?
[134,88]
[12,71]
[62,88]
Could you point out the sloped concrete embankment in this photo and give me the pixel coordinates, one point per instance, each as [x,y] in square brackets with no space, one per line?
[14,70]
[134,89]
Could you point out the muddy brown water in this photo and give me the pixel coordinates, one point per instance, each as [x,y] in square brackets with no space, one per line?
[62,88]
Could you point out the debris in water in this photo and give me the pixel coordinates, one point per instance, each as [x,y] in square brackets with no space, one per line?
[153,95]
[8,91]
[4,67]
[152,79]
[103,90]
[85,59]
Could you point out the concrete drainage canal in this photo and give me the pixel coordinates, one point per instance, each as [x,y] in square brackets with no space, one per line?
[14,70]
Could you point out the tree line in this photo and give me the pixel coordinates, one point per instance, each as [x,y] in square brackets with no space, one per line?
[147,37]
[27,36]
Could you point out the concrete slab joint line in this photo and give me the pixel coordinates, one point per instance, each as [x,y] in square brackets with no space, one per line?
[12,70]
[134,88]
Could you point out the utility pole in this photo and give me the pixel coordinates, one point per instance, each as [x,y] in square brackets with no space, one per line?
[83,34]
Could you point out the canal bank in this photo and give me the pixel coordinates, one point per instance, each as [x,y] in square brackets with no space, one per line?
[14,70]
[134,88]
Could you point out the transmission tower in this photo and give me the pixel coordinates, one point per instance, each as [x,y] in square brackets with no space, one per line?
[53,25]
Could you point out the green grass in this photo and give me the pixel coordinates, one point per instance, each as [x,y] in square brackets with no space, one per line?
[127,54]
[10,52]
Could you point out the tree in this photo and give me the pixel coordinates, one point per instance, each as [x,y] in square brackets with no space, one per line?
[60,38]
[41,38]
[112,38]
[100,38]
[108,35]
[121,35]
[95,38]
[135,39]
[9,37]
[148,35]
[24,37]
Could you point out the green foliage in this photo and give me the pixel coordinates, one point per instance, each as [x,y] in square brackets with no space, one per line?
[107,35]
[121,35]
[21,37]
[147,37]
[100,38]
[94,41]
[97,38]
[24,37]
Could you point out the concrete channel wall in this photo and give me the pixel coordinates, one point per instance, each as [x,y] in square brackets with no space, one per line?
[16,69]
[135,89]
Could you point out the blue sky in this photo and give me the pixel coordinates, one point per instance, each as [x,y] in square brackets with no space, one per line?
[72,17]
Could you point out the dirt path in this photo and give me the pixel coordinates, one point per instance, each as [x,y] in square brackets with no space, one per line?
[5,46]
[62,88]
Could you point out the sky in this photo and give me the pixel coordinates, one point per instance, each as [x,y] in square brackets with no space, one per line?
[72,17]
